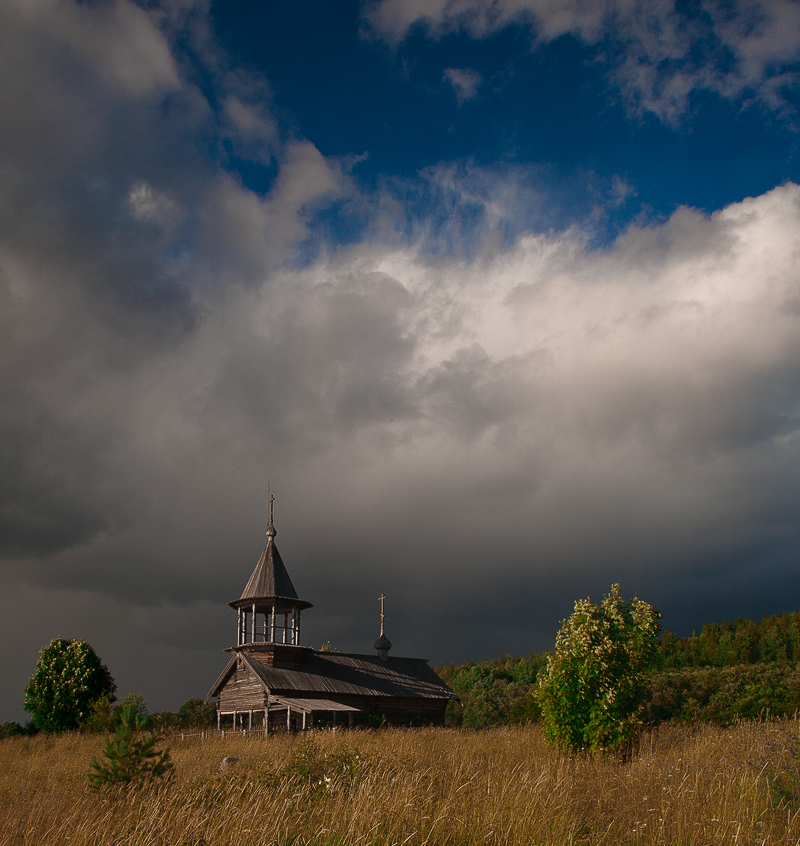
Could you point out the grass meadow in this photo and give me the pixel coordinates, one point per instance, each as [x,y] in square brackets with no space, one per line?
[689,786]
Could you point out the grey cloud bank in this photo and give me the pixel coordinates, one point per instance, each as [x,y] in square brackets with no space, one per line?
[483,439]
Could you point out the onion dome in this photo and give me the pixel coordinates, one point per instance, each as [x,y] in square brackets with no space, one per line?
[382,644]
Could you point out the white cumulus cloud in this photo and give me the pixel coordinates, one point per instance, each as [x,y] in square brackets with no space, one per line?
[659,52]
[484,437]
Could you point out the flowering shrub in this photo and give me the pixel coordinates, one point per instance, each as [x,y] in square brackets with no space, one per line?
[593,690]
[68,680]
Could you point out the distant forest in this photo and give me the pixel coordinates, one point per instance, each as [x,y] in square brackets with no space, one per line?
[775,639]
[730,671]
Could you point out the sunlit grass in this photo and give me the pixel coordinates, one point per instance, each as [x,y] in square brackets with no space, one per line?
[709,785]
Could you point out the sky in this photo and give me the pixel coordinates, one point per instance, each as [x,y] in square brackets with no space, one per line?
[501,301]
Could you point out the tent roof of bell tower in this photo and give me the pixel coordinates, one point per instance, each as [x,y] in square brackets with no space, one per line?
[270,579]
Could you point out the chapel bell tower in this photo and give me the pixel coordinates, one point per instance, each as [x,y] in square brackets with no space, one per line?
[269,608]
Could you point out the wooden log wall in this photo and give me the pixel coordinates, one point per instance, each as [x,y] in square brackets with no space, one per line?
[242,692]
[285,659]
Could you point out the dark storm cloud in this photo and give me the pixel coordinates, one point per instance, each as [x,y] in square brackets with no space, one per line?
[484,435]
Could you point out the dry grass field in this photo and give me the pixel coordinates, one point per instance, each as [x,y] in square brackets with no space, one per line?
[692,787]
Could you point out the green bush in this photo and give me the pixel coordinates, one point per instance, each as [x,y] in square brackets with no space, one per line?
[164,720]
[14,729]
[105,715]
[194,715]
[100,717]
[197,714]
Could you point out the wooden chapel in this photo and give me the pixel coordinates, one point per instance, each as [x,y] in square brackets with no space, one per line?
[272,681]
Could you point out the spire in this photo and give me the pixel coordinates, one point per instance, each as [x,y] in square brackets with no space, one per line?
[271,531]
[270,579]
[382,644]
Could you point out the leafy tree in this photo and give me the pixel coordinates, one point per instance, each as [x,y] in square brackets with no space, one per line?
[100,717]
[130,752]
[69,678]
[105,715]
[196,713]
[497,692]
[594,688]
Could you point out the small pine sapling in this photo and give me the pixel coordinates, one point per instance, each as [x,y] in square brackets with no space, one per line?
[130,752]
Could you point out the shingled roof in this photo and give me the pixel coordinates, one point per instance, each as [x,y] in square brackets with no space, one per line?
[331,673]
[270,578]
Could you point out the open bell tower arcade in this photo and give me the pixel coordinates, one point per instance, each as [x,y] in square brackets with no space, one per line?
[269,608]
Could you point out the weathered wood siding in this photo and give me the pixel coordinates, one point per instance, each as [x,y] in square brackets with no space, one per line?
[400,691]
[242,691]
[284,659]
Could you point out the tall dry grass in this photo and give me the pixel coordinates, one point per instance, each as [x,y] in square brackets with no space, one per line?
[690,787]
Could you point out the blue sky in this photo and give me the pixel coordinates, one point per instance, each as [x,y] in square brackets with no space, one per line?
[553,109]
[501,298]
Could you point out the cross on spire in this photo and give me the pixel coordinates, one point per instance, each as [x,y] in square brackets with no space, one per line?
[270,528]
[383,644]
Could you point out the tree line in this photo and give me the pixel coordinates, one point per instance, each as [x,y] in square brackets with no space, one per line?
[611,674]
[731,670]
[776,639]
[72,690]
